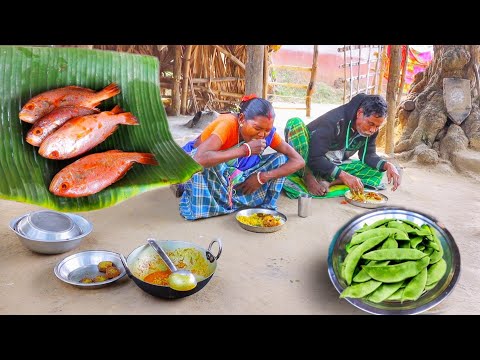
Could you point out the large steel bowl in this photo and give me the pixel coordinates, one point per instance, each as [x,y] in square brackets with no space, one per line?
[46,241]
[429,299]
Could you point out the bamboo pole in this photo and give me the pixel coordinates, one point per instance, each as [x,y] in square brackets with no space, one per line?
[393,75]
[265,72]
[382,68]
[375,75]
[402,81]
[177,69]
[351,76]
[313,76]
[368,68]
[358,71]
[186,71]
[344,75]
[230,56]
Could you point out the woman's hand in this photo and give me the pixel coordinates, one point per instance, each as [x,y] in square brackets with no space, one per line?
[392,175]
[257,146]
[249,185]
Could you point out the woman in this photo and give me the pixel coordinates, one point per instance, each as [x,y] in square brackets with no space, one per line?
[236,174]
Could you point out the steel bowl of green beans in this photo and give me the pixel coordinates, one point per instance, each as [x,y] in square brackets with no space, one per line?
[393,261]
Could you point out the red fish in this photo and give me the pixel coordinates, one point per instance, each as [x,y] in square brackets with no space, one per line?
[53,120]
[40,105]
[95,172]
[80,134]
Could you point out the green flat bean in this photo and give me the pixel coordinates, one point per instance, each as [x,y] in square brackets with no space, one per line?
[432,244]
[415,241]
[360,290]
[415,287]
[390,244]
[436,256]
[385,232]
[384,291]
[436,271]
[397,272]
[431,286]
[363,276]
[396,296]
[373,226]
[394,254]
[352,258]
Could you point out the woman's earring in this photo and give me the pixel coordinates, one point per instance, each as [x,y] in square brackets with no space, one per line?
[241,125]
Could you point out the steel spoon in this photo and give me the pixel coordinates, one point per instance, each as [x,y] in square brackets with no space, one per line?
[180,280]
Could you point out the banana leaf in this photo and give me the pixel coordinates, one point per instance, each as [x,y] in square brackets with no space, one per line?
[27,71]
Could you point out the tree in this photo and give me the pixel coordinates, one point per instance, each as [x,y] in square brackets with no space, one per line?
[427,131]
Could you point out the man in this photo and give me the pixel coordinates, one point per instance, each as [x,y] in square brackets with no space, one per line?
[328,142]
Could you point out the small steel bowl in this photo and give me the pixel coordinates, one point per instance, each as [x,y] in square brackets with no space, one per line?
[261,229]
[75,267]
[44,225]
[48,225]
[429,299]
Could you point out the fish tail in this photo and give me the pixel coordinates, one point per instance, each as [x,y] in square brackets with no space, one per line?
[145,158]
[108,92]
[117,109]
[129,119]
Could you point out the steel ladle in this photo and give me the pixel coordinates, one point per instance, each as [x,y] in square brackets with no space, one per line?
[180,280]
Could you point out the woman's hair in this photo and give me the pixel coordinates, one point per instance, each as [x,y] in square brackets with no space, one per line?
[256,107]
[374,105]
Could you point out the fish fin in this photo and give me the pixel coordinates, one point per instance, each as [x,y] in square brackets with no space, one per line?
[108,92]
[79,87]
[145,158]
[117,109]
[129,119]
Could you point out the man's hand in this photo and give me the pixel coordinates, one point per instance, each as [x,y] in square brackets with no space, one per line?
[392,175]
[353,182]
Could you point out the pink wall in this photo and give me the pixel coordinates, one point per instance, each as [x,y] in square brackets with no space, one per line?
[328,69]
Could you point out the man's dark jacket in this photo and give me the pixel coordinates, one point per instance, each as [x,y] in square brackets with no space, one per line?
[328,132]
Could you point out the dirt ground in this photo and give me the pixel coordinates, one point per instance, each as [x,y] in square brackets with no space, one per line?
[278,273]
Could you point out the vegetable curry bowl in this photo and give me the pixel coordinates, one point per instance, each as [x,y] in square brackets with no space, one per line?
[393,261]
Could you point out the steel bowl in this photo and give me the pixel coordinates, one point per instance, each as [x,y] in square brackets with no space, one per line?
[261,229]
[429,299]
[366,205]
[47,232]
[48,225]
[75,267]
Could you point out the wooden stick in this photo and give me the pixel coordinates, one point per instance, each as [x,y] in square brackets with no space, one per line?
[379,55]
[368,68]
[313,76]
[402,81]
[230,56]
[186,71]
[292,67]
[344,76]
[393,75]
[177,69]
[265,72]
[382,68]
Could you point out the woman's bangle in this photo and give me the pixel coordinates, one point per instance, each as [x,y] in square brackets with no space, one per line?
[249,149]
[258,179]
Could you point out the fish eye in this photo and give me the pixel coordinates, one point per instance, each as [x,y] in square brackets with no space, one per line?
[64,186]
[55,154]
[30,106]
[38,131]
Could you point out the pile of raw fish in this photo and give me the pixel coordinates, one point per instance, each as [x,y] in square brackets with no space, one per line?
[67,124]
